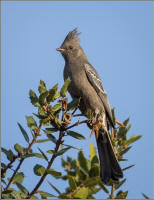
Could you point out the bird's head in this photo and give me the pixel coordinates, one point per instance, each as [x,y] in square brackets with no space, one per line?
[70,48]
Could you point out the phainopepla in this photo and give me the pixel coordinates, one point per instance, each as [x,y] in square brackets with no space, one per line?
[85,83]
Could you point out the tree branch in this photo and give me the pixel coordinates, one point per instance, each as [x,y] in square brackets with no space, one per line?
[76,124]
[58,143]
[22,159]
[9,165]
[112,191]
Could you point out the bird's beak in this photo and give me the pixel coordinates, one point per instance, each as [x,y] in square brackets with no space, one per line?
[60,49]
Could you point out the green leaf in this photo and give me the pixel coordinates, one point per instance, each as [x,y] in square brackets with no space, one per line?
[145,196]
[18,148]
[91,182]
[120,184]
[113,116]
[34,99]
[31,122]
[33,197]
[82,193]
[8,153]
[50,151]
[75,135]
[45,194]
[93,190]
[16,194]
[127,167]
[19,177]
[94,160]
[133,139]
[102,186]
[125,151]
[52,138]
[72,147]
[54,173]
[7,191]
[43,97]
[41,113]
[71,162]
[121,195]
[122,133]
[7,194]
[61,152]
[72,182]
[83,162]
[54,188]
[53,94]
[94,171]
[57,95]
[38,155]
[24,132]
[63,91]
[22,188]
[39,170]
[73,104]
[40,116]
[45,121]
[92,150]
[56,107]
[42,140]
[126,122]
[50,130]
[42,87]
[43,154]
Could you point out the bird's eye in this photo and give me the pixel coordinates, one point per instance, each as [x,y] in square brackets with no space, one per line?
[70,47]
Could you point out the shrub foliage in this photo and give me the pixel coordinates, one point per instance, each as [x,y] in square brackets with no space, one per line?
[54,119]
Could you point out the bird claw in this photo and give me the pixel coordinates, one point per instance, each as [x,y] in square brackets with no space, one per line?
[95,128]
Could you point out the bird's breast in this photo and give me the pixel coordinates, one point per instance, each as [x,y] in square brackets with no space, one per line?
[81,87]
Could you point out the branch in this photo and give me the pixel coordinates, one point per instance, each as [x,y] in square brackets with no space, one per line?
[112,191]
[20,163]
[58,143]
[76,124]
[69,195]
[9,165]
[22,159]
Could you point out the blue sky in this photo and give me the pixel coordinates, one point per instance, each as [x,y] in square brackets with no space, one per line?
[117,38]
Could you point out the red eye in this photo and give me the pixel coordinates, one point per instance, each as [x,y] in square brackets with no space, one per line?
[70,47]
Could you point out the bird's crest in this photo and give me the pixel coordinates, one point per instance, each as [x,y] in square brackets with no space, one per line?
[72,35]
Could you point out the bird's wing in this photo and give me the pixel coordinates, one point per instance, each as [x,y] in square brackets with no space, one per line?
[96,82]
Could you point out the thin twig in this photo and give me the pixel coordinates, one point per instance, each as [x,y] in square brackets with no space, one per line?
[74,111]
[74,191]
[76,124]
[112,191]
[9,165]
[8,185]
[78,115]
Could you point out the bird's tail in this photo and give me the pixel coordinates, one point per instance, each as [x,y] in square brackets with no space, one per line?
[109,165]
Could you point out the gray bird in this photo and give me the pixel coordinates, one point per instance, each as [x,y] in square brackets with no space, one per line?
[86,84]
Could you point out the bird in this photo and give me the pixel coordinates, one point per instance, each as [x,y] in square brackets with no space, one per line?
[87,85]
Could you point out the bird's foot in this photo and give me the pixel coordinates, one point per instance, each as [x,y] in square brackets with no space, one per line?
[95,128]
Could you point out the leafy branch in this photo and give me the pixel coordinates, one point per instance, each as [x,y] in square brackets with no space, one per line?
[54,118]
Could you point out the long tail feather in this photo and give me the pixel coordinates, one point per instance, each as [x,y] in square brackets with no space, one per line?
[109,165]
